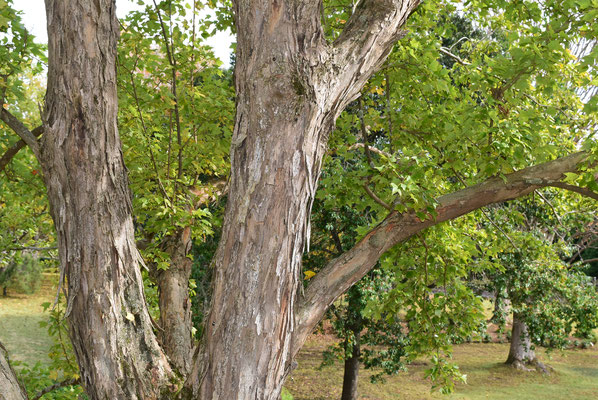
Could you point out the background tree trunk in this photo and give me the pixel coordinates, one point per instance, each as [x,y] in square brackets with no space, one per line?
[87,184]
[351,375]
[10,388]
[175,305]
[520,351]
[500,312]
[355,326]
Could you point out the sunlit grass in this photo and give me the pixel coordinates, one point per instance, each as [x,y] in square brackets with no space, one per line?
[20,315]
[575,377]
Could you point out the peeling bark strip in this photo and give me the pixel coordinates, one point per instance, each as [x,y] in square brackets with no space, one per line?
[10,388]
[342,272]
[87,184]
[291,85]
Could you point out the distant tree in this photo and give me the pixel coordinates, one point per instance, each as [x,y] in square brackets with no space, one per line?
[550,299]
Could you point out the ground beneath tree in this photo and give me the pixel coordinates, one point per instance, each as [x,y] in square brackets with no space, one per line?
[20,316]
[575,375]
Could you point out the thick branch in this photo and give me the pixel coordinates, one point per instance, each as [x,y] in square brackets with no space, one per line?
[363,46]
[15,148]
[17,126]
[342,272]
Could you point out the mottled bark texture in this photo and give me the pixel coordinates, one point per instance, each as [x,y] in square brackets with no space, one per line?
[90,203]
[291,85]
[10,389]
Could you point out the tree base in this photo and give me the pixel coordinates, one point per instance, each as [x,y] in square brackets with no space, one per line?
[529,366]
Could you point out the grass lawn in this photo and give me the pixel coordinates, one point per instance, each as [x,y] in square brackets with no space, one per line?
[575,377]
[20,315]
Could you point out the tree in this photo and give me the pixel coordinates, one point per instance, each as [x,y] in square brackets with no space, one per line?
[291,85]
[550,299]
[11,389]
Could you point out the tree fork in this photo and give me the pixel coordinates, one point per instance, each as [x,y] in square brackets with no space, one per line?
[291,84]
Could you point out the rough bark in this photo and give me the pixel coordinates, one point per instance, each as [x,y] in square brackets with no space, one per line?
[175,304]
[520,351]
[110,327]
[342,272]
[10,388]
[291,85]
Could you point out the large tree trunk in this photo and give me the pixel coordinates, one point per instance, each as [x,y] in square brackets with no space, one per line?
[175,305]
[118,354]
[291,85]
[10,388]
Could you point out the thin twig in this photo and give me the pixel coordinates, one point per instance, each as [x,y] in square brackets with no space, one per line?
[20,129]
[15,148]
[32,248]
[368,155]
[558,218]
[143,126]
[172,61]
[376,198]
[583,191]
[372,149]
[455,57]
[68,382]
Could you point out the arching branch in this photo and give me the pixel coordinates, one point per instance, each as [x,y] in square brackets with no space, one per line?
[581,190]
[342,272]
